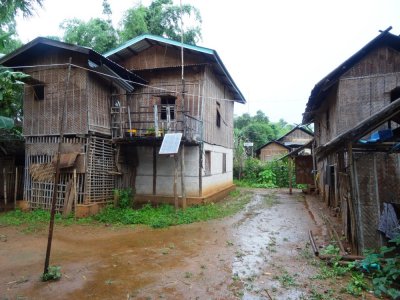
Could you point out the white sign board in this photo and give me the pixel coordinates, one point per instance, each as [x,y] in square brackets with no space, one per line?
[248,144]
[170,143]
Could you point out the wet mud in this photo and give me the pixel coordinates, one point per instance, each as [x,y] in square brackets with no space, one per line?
[260,253]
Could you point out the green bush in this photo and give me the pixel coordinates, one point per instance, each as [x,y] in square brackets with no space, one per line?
[125,198]
[272,174]
[384,268]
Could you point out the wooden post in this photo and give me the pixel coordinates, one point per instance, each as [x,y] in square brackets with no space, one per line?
[15,188]
[57,174]
[75,192]
[154,169]
[183,187]
[290,174]
[175,181]
[352,198]
[156,120]
[5,188]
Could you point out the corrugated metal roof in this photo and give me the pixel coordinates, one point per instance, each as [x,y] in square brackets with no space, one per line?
[145,41]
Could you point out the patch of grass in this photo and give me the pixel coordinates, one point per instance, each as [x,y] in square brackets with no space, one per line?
[188,275]
[53,273]
[165,215]
[286,280]
[156,217]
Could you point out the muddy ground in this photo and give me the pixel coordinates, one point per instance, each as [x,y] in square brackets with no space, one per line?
[260,253]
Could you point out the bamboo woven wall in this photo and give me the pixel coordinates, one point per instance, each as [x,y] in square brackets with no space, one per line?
[383,60]
[215,93]
[99,97]
[42,117]
[377,177]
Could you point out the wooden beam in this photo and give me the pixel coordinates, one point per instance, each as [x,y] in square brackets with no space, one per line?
[361,128]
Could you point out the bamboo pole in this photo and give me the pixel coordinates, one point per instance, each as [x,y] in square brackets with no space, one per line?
[57,175]
[75,192]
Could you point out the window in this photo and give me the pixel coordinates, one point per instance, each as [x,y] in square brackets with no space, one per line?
[327,120]
[218,115]
[168,103]
[395,94]
[207,163]
[223,162]
[38,92]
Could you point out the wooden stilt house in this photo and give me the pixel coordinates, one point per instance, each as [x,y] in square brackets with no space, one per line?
[74,84]
[356,114]
[199,105]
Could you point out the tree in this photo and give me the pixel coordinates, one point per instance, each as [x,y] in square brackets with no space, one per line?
[258,129]
[97,33]
[162,18]
[8,10]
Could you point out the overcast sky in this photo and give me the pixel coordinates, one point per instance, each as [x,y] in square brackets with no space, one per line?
[276,51]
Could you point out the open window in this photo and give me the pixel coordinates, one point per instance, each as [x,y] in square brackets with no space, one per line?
[38,92]
[218,120]
[168,104]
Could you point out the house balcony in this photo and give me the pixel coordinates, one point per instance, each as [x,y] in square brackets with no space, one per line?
[151,123]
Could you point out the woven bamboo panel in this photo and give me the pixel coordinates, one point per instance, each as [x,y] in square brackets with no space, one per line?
[100,170]
[42,117]
[39,171]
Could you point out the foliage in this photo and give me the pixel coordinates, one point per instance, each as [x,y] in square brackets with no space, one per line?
[357,284]
[165,215]
[161,18]
[125,198]
[258,174]
[8,11]
[53,273]
[384,268]
[96,33]
[156,217]
[258,129]
[11,93]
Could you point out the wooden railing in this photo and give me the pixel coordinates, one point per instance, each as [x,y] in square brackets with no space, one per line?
[154,121]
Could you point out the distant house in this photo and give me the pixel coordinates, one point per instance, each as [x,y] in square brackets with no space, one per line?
[203,113]
[294,139]
[356,114]
[272,150]
[297,137]
[81,82]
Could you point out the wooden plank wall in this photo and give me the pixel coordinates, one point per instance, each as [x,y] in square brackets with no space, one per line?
[272,151]
[160,57]
[215,92]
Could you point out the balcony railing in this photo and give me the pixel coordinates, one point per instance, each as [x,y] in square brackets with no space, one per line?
[154,121]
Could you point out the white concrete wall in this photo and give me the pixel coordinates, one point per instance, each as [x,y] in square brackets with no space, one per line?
[218,180]
[165,172]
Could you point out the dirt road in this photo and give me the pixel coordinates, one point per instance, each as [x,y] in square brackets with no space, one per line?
[259,253]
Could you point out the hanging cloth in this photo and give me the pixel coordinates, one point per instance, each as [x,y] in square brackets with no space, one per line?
[388,222]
